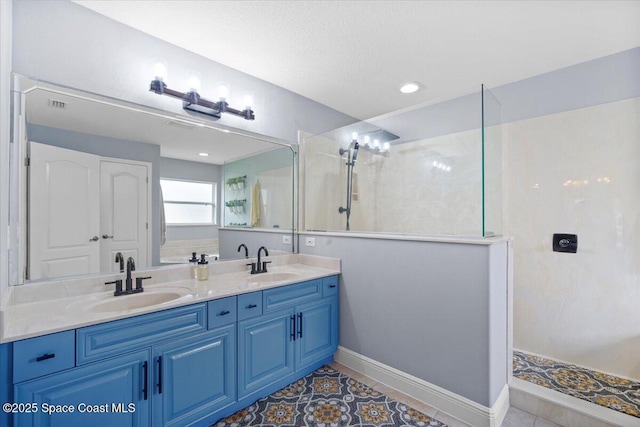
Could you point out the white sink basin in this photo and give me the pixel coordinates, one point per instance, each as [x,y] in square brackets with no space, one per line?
[129,302]
[272,277]
[107,302]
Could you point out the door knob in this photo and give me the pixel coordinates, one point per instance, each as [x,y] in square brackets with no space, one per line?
[94,239]
[106,236]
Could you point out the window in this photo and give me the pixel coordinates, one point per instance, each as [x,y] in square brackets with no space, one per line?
[189,202]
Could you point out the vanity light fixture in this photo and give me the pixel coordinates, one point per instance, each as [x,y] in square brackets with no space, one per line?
[192,100]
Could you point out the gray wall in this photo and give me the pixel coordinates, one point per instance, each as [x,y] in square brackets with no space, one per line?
[65,43]
[231,238]
[111,147]
[434,310]
[194,171]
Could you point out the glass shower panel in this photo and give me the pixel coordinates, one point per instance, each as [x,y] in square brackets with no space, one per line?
[492,164]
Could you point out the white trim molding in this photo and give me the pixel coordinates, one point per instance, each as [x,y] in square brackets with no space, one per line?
[563,409]
[453,404]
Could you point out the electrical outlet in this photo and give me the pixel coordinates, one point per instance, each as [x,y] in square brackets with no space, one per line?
[286,240]
[310,241]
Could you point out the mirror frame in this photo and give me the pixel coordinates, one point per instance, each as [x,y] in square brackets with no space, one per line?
[20,87]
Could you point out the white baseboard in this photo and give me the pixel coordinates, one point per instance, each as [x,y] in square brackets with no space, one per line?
[565,410]
[453,404]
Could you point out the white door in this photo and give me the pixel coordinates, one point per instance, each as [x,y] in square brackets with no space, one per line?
[64,212]
[124,217]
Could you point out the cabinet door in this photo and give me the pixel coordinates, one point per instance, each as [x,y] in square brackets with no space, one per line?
[317,328]
[265,349]
[194,377]
[102,394]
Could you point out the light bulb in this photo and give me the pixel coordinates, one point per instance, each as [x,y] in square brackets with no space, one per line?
[386,146]
[223,91]
[195,85]
[248,101]
[376,144]
[160,70]
[354,136]
[203,154]
[367,140]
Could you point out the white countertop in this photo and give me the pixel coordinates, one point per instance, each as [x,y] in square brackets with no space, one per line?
[44,308]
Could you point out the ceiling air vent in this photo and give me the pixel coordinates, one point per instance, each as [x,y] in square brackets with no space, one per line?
[54,103]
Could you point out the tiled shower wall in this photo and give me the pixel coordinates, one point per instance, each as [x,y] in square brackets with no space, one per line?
[577,172]
[404,192]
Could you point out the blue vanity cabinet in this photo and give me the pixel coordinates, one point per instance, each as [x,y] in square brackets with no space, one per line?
[194,377]
[317,331]
[265,351]
[186,366]
[114,392]
[297,333]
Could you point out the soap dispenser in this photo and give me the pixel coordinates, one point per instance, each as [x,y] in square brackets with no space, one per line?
[193,265]
[202,271]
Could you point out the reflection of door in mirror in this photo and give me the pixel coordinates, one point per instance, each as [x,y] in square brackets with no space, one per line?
[123,214]
[83,209]
[63,212]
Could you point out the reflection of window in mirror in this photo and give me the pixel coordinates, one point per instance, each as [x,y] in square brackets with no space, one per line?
[189,202]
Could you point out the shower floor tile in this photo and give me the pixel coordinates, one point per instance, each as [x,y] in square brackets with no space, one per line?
[616,393]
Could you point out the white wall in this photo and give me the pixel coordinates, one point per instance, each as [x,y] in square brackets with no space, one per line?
[577,172]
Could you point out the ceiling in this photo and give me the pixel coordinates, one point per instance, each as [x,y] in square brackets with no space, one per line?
[354,55]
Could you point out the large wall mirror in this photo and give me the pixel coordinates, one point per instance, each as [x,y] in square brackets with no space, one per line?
[93,176]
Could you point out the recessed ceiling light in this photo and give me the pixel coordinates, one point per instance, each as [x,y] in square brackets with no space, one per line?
[410,87]
[203,154]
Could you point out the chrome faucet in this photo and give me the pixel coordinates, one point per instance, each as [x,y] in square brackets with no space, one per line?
[120,259]
[246,250]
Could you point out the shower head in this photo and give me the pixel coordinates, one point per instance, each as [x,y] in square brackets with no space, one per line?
[356,147]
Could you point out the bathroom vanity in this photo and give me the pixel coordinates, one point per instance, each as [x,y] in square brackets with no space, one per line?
[216,348]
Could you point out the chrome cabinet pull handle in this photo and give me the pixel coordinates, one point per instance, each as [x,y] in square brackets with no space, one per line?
[106,236]
[94,239]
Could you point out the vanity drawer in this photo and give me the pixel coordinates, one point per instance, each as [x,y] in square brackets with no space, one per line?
[222,312]
[43,355]
[249,305]
[286,296]
[329,286]
[117,337]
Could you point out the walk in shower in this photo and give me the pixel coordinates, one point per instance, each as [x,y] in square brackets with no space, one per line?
[434,170]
